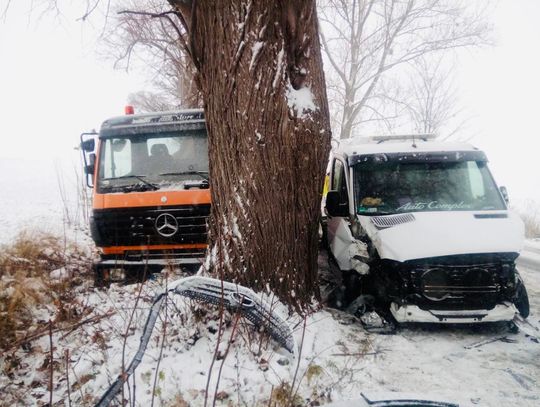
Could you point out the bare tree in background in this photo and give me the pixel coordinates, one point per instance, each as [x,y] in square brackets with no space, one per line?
[259,70]
[431,101]
[143,34]
[154,101]
[364,40]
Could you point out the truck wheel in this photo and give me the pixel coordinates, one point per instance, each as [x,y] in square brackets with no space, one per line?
[521,300]
[99,278]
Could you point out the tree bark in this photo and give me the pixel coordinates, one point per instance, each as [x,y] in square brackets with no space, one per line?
[260,73]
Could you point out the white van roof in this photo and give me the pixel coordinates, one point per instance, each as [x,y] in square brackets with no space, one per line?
[365,145]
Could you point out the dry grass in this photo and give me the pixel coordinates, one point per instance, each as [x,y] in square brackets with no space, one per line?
[28,291]
[32,254]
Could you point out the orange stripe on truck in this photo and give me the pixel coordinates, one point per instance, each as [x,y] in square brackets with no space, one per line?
[122,249]
[152,198]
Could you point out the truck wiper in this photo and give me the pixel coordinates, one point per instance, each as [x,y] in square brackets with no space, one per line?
[202,174]
[154,187]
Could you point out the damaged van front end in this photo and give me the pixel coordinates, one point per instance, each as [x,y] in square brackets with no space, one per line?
[426,232]
[446,267]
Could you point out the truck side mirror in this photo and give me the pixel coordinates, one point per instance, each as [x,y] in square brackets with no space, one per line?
[88,145]
[91,166]
[334,206]
[504,193]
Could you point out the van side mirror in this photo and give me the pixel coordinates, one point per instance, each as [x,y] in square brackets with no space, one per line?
[334,206]
[504,193]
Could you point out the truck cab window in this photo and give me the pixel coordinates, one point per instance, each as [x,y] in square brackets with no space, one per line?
[118,153]
[154,160]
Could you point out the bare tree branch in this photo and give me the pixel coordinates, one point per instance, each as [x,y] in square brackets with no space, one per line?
[365,41]
[152,37]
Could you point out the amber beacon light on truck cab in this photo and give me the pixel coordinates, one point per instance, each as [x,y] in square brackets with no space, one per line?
[151,197]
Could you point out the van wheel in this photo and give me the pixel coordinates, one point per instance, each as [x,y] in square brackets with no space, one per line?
[352,282]
[521,299]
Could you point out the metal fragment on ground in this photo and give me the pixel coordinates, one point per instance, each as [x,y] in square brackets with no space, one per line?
[234,297]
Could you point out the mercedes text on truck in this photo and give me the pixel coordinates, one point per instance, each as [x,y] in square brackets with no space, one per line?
[420,228]
[151,198]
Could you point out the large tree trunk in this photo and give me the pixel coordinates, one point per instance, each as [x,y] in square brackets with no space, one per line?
[260,74]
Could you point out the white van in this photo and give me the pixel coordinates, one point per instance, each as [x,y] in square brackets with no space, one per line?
[421,228]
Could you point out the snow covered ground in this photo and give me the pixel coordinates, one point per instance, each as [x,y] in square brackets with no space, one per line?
[530,255]
[336,360]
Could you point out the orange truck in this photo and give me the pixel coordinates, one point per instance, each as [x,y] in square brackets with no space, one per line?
[151,197]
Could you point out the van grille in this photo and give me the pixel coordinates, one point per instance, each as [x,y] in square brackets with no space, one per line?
[457,282]
[473,286]
[137,226]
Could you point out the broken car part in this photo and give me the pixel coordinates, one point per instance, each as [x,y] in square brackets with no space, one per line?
[234,297]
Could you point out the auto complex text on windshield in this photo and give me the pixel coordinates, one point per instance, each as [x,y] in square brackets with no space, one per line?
[395,187]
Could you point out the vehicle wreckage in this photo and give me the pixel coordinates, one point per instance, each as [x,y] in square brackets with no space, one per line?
[421,231]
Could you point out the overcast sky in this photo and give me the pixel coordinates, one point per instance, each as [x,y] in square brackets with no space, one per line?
[53,87]
[501,88]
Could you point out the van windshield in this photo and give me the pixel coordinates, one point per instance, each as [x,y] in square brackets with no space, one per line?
[397,187]
[152,161]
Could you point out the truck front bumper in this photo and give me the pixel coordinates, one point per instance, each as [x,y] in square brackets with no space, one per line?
[152,262]
[412,313]
[125,271]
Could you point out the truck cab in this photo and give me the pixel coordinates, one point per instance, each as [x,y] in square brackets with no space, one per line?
[421,227]
[151,197]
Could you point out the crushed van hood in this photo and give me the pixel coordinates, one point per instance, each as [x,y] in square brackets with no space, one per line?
[434,234]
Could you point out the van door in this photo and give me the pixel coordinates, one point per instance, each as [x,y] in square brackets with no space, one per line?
[339,233]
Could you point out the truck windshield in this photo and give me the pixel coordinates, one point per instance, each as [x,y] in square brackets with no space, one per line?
[152,161]
[397,187]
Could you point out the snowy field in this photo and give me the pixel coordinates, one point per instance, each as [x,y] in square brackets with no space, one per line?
[39,195]
[335,358]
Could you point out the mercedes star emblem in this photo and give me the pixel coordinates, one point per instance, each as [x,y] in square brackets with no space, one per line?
[166,225]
